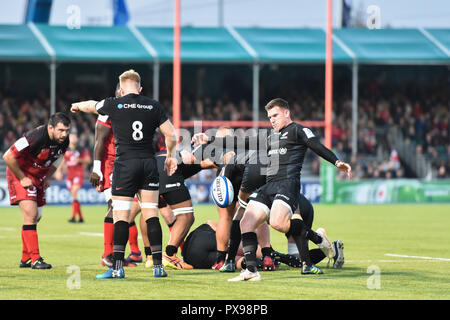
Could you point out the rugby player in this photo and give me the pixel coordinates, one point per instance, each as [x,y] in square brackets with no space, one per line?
[74,162]
[101,178]
[134,119]
[235,168]
[276,201]
[31,161]
[175,201]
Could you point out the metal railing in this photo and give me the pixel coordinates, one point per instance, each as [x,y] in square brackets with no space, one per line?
[406,150]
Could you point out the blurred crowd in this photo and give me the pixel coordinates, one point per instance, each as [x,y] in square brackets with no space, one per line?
[421,115]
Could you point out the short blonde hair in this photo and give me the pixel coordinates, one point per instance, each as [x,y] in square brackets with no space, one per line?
[130,75]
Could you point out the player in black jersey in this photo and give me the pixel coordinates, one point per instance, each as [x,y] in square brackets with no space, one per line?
[174,193]
[134,119]
[175,202]
[253,177]
[248,175]
[276,201]
[221,158]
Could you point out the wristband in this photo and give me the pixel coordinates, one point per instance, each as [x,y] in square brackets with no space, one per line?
[97,166]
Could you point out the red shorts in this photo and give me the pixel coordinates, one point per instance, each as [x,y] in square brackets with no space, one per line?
[18,193]
[107,168]
[74,180]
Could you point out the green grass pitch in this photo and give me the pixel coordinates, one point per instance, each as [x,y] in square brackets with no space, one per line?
[392,252]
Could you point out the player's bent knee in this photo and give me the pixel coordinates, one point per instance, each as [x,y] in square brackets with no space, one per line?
[280,216]
[251,220]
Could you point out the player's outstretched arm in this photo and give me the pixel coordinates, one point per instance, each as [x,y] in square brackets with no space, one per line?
[322,151]
[230,142]
[84,106]
[343,166]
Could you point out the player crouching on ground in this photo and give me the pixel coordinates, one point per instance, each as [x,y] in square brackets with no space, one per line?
[31,161]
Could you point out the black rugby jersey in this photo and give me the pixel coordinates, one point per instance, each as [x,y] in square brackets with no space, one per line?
[134,119]
[286,149]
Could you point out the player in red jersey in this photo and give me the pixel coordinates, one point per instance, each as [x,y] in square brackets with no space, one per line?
[75,161]
[31,161]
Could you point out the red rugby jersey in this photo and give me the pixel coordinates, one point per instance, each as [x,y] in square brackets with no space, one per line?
[109,151]
[35,152]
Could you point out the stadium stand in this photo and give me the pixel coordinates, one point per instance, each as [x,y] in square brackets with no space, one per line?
[402,122]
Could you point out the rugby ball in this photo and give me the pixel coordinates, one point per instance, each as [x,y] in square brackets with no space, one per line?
[222,191]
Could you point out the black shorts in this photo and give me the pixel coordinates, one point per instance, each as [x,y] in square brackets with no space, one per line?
[132,175]
[306,210]
[254,177]
[171,188]
[286,190]
[200,249]
[188,170]
[234,172]
[174,197]
[168,183]
[177,196]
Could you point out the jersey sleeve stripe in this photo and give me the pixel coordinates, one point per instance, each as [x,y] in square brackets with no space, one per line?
[104,123]
[21,144]
[100,104]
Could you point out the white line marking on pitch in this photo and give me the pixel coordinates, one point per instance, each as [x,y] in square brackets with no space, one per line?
[91,234]
[7,229]
[415,257]
[96,234]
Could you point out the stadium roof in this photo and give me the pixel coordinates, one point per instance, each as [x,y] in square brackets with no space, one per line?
[18,43]
[94,44]
[197,45]
[42,42]
[291,45]
[393,46]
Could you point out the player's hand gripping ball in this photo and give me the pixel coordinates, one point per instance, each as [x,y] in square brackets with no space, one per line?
[222,191]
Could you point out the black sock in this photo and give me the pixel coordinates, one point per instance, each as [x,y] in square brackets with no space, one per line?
[120,242]
[221,256]
[266,251]
[298,232]
[148,251]
[235,240]
[316,255]
[154,232]
[171,250]
[313,236]
[250,243]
